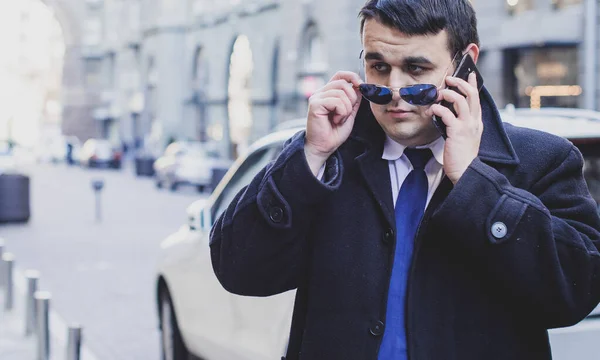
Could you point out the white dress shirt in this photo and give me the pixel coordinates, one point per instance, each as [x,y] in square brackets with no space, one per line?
[400,166]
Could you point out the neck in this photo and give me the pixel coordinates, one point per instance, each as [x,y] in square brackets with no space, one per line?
[421,141]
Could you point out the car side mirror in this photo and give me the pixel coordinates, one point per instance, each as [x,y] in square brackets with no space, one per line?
[192,223]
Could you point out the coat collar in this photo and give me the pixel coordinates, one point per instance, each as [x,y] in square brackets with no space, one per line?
[495,145]
[495,148]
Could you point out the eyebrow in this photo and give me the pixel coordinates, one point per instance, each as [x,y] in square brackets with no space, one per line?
[406,60]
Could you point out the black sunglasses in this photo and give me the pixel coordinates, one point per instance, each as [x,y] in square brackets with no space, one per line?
[418,94]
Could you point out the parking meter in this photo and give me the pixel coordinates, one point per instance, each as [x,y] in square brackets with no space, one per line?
[98,185]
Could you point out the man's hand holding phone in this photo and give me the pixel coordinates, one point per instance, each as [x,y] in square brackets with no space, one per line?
[464,129]
[331,113]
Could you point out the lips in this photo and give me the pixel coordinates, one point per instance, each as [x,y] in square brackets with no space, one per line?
[398,111]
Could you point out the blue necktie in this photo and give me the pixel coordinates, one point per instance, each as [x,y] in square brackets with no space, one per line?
[410,207]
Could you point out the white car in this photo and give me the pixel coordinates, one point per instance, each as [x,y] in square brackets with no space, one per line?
[199,318]
[100,153]
[187,163]
[197,315]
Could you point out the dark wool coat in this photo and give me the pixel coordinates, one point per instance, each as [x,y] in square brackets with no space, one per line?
[508,252]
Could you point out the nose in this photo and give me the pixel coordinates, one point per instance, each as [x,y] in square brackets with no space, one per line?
[396,82]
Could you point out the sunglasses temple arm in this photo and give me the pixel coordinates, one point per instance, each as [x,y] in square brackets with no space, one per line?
[448,69]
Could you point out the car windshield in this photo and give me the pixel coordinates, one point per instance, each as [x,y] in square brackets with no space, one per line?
[195,150]
[242,177]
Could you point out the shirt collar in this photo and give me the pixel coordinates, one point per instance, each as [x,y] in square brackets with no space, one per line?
[393,150]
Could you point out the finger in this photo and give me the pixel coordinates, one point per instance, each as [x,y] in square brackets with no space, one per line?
[356,107]
[334,108]
[349,76]
[339,94]
[447,116]
[335,84]
[474,102]
[473,79]
[352,93]
[459,102]
[469,89]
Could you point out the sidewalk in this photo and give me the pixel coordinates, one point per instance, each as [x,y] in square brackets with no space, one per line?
[14,345]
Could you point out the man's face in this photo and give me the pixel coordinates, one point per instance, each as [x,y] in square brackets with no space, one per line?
[396,60]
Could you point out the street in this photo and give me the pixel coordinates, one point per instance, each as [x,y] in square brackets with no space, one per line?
[101,275]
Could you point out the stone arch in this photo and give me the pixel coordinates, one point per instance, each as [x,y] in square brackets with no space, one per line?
[77,103]
[239,94]
[64,13]
[312,62]
[200,80]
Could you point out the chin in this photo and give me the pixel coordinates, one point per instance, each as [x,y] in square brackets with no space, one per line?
[411,133]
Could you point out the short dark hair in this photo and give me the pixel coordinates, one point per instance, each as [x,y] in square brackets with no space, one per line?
[426,17]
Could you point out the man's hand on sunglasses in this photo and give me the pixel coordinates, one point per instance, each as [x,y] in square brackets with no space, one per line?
[331,113]
[464,130]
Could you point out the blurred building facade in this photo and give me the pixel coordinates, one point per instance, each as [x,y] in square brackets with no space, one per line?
[535,52]
[228,72]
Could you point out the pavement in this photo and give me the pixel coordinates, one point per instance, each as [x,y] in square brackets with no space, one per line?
[14,344]
[102,274]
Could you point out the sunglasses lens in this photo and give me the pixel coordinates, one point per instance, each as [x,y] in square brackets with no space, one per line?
[376,94]
[420,94]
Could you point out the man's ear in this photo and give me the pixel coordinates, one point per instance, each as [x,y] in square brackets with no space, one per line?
[473,50]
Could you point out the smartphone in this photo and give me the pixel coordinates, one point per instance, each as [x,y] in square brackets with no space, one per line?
[464,68]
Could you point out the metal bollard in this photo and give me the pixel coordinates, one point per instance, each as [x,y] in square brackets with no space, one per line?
[42,299]
[74,343]
[8,262]
[98,185]
[32,277]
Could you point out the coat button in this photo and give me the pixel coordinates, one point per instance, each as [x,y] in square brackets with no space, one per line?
[388,236]
[276,214]
[377,328]
[499,230]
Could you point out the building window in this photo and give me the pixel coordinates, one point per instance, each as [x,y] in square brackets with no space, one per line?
[543,77]
[313,66]
[93,72]
[518,6]
[559,4]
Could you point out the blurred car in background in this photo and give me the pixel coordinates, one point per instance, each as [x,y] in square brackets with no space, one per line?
[99,153]
[187,163]
[55,149]
[199,318]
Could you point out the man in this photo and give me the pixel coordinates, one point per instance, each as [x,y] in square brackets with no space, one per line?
[405,245]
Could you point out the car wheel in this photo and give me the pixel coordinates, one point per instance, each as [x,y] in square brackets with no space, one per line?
[172,344]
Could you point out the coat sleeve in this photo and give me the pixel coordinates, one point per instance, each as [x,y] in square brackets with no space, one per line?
[258,243]
[548,259]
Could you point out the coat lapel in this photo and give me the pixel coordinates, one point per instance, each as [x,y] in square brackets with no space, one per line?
[495,148]
[374,170]
[376,174]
